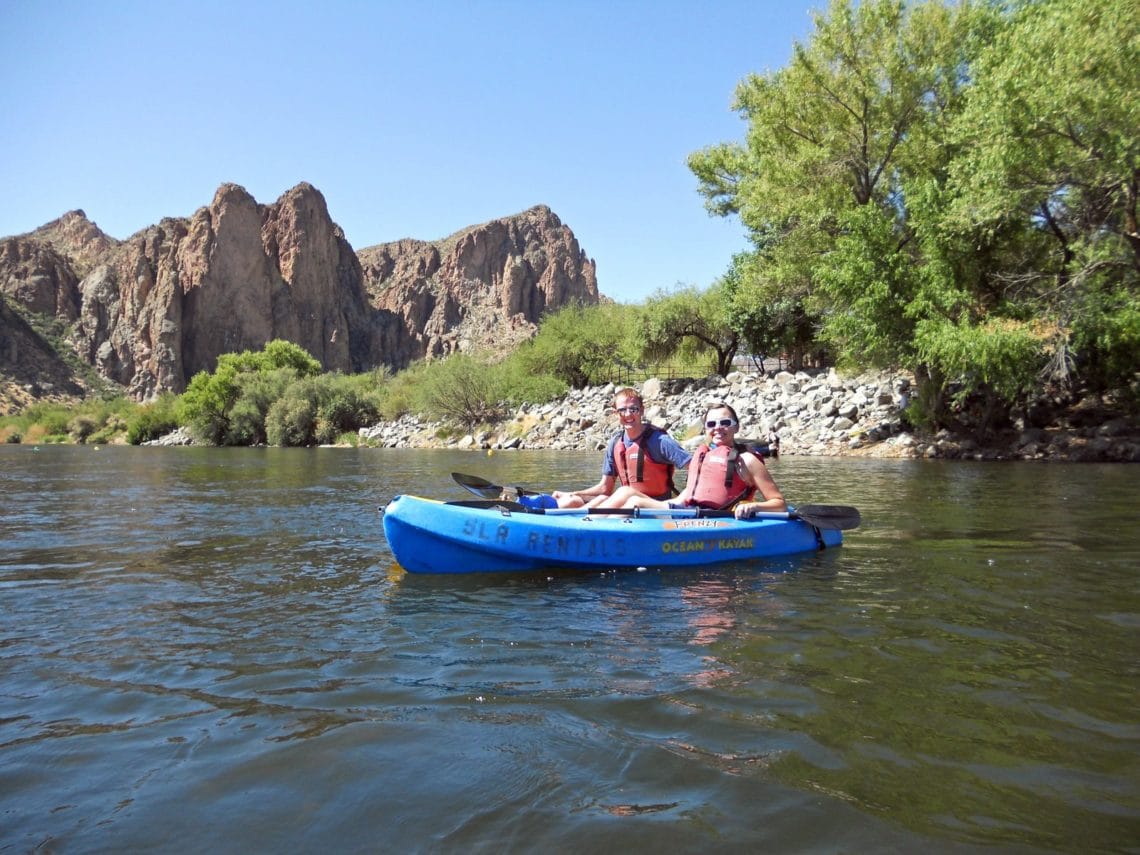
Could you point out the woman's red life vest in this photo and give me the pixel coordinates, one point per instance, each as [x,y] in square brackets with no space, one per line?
[716,483]
[636,468]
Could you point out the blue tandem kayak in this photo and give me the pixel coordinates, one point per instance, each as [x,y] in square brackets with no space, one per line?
[429,536]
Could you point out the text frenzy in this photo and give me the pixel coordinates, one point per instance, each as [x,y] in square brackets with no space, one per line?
[695,523]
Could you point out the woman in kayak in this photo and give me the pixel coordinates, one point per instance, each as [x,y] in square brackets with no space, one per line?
[640,456]
[722,474]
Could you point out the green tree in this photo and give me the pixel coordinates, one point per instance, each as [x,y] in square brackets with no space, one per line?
[842,160]
[580,345]
[772,320]
[692,323]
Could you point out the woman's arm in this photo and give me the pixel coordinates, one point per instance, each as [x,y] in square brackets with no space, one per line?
[755,474]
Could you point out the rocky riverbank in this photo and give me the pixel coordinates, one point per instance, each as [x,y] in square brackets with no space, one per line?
[820,414]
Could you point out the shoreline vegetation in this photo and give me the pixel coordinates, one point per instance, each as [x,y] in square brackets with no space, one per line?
[279,397]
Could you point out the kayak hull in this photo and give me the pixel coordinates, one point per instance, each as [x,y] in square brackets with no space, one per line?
[428,536]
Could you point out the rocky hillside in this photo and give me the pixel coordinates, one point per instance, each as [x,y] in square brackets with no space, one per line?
[485,287]
[151,311]
[32,370]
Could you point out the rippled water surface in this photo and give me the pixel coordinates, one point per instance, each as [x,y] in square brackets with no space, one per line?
[212,650]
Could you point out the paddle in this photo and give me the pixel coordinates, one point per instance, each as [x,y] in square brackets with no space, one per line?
[840,517]
[483,487]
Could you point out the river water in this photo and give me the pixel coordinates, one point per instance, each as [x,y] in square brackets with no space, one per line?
[212,650]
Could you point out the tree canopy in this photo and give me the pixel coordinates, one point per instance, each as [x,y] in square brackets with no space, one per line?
[949,188]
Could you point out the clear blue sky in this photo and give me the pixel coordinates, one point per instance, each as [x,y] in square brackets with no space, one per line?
[414,119]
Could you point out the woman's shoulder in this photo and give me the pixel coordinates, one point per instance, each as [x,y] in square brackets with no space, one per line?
[748,455]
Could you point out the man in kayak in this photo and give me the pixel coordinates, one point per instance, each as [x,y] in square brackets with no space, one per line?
[640,456]
[723,474]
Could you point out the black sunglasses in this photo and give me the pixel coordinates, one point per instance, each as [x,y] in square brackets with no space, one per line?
[724,423]
[630,409]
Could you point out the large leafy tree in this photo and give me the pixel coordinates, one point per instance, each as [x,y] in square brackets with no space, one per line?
[834,142]
[952,188]
[1047,181]
[842,183]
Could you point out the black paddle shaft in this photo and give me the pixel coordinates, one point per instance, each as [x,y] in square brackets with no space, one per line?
[840,517]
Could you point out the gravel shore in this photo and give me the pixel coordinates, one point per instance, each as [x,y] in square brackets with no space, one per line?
[820,414]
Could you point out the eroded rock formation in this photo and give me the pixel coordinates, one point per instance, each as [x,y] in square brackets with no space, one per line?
[150,311]
[484,287]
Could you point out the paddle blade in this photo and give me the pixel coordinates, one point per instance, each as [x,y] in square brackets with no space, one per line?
[842,517]
[483,487]
[478,486]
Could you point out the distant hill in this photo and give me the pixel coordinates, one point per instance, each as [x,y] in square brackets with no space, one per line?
[150,311]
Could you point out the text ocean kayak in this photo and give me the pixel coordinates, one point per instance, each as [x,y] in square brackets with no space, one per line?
[429,536]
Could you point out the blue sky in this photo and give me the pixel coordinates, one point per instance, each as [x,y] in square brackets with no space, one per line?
[414,119]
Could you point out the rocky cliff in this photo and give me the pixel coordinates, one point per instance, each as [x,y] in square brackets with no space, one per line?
[486,286]
[150,311]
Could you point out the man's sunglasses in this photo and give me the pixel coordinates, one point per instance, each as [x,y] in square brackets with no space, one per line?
[627,410]
[724,423]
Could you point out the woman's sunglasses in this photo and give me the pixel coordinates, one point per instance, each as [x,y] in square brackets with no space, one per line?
[724,423]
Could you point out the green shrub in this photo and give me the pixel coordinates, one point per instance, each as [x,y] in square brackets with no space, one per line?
[346,404]
[291,420]
[54,422]
[1106,339]
[81,427]
[256,393]
[580,345]
[520,384]
[230,405]
[463,390]
[108,434]
[153,420]
[400,394]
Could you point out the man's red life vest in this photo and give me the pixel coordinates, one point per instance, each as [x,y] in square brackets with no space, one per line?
[716,483]
[636,468]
